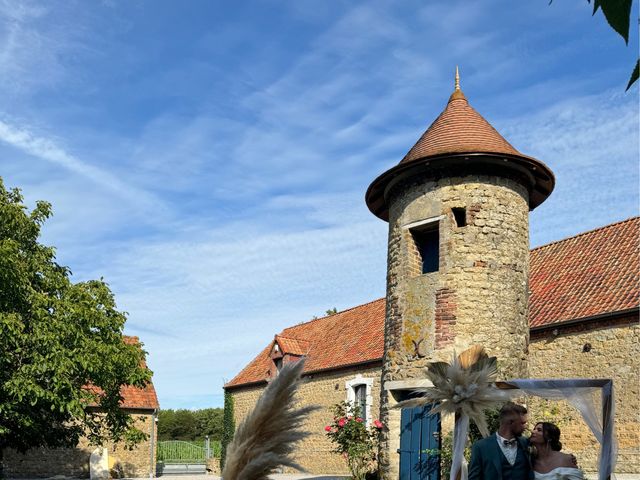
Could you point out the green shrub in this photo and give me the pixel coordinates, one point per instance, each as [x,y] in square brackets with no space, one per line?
[354,441]
[228,426]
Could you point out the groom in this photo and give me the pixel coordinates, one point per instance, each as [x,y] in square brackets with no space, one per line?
[503,455]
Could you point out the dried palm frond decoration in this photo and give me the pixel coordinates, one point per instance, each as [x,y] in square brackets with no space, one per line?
[266,438]
[466,388]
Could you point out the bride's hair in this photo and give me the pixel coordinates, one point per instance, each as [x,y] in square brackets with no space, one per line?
[551,435]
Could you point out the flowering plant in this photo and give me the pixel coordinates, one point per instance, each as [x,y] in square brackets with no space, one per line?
[353,440]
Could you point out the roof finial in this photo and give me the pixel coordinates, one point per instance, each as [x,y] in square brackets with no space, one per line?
[457,93]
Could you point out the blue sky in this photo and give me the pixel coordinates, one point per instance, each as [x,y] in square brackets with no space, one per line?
[209,159]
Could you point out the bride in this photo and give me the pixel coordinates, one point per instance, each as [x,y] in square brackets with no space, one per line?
[549,463]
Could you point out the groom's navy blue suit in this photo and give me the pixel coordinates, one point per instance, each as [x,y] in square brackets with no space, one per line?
[489,463]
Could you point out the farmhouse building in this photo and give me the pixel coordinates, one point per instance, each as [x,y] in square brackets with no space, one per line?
[141,403]
[460,272]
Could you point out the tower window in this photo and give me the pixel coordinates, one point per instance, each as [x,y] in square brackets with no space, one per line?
[460,216]
[427,241]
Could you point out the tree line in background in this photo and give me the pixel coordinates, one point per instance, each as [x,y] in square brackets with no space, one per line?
[190,424]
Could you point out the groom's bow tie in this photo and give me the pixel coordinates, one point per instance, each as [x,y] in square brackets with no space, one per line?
[509,443]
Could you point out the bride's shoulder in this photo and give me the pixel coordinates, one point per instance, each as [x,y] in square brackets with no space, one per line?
[567,460]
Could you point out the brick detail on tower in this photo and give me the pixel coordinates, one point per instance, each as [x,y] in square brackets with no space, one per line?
[445,317]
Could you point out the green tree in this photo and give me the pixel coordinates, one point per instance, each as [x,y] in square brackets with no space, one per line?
[166,424]
[209,423]
[185,425]
[618,16]
[63,360]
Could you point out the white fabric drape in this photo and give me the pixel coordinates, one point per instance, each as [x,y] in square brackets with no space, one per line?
[460,434]
[582,398]
[577,394]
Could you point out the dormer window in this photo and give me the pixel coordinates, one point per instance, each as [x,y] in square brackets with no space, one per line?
[285,350]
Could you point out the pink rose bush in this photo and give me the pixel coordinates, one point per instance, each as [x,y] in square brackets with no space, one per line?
[353,440]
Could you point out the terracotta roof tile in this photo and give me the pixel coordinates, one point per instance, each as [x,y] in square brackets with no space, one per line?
[292,346]
[345,338]
[593,273]
[590,274]
[459,129]
[461,139]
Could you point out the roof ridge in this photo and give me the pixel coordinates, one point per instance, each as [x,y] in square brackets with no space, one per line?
[332,315]
[588,232]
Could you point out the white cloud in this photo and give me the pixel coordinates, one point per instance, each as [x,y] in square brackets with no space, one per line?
[591,145]
[46,149]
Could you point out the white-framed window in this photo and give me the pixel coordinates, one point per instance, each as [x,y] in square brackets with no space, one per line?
[359,392]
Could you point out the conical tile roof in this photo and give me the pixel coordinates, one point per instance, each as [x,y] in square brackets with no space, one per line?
[462,142]
[459,129]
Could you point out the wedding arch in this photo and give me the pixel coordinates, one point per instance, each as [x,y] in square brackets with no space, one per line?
[580,392]
[467,387]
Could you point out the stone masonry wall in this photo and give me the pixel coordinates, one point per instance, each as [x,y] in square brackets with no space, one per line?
[324,389]
[478,296]
[610,350]
[74,462]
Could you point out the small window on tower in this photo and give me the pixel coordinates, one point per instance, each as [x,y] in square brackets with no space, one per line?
[427,241]
[460,216]
[278,362]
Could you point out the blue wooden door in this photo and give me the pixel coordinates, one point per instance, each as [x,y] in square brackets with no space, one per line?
[419,438]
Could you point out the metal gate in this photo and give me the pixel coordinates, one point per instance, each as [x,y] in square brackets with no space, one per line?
[419,444]
[177,456]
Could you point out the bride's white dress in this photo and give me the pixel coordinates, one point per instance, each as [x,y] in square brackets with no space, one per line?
[561,473]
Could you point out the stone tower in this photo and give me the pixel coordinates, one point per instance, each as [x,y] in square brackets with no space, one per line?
[458,260]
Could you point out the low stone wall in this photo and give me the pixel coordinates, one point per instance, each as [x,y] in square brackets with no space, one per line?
[608,349]
[325,389]
[74,462]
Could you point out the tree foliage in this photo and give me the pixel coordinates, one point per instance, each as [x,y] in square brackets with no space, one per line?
[57,338]
[190,425]
[618,16]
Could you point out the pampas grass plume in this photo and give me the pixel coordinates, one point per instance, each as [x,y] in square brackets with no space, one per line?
[266,438]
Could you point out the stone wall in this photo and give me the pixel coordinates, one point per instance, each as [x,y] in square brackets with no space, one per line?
[479,295]
[74,462]
[605,349]
[324,389]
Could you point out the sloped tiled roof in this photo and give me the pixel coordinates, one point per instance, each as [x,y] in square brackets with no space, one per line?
[590,274]
[345,338]
[143,398]
[140,398]
[136,398]
[459,129]
[461,140]
[292,346]
[596,272]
